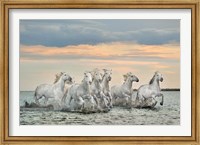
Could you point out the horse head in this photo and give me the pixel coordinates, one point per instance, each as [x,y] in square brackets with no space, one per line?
[97,75]
[67,78]
[107,74]
[88,77]
[131,77]
[158,76]
[64,76]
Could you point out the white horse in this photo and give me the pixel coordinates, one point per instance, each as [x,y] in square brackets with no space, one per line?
[97,90]
[55,90]
[122,93]
[74,98]
[105,86]
[146,94]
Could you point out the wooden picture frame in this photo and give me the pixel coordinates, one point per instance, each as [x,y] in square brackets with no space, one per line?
[6,5]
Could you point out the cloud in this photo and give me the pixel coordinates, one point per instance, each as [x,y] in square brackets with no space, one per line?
[35,72]
[103,51]
[121,57]
[74,46]
[59,33]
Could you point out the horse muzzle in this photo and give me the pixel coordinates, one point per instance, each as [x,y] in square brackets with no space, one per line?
[161,79]
[137,80]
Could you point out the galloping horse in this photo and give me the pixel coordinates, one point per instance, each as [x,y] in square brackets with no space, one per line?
[96,88]
[122,93]
[74,98]
[105,86]
[146,94]
[55,90]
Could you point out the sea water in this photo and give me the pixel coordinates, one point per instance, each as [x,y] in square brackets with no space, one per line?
[168,114]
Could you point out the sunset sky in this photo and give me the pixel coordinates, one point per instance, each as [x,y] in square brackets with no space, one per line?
[74,46]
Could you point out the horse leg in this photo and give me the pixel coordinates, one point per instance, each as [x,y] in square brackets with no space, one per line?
[113,97]
[110,100]
[82,107]
[139,101]
[37,99]
[127,98]
[161,103]
[45,101]
[104,97]
[161,95]
[96,100]
[154,103]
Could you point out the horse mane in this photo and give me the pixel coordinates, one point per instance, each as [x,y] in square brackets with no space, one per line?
[152,80]
[58,77]
[126,76]
[103,76]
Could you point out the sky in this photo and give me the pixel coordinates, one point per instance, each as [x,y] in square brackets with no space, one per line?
[142,47]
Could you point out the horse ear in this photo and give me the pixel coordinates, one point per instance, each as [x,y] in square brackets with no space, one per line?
[125,77]
[128,74]
[57,75]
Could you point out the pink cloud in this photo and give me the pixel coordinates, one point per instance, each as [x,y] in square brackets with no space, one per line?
[106,50]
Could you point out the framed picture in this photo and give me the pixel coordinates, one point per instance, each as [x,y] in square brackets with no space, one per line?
[100,72]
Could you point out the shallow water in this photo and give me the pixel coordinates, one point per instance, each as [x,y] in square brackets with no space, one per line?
[168,114]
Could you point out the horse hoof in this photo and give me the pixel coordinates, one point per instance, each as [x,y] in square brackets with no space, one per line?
[161,103]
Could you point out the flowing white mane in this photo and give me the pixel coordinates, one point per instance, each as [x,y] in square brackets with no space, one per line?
[153,78]
[127,75]
[105,70]
[58,77]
